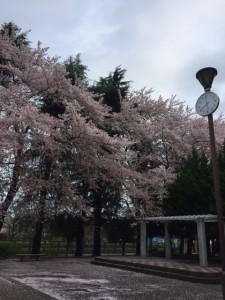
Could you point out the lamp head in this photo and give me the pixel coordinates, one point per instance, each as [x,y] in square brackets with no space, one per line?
[206,76]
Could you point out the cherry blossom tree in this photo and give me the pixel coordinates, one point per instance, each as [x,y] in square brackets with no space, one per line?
[163,132]
[31,138]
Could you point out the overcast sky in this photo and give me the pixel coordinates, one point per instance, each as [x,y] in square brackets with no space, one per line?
[161,43]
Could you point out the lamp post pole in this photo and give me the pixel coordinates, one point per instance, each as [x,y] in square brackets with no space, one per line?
[219,203]
[205,106]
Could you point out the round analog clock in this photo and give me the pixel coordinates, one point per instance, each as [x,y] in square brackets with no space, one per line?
[207,103]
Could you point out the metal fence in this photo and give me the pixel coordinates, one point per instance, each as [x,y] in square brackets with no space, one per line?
[59,247]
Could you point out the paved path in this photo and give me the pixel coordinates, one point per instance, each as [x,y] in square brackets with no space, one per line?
[11,290]
[73,278]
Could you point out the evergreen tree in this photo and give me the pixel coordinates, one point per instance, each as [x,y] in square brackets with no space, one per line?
[13,31]
[19,39]
[76,69]
[192,191]
[113,87]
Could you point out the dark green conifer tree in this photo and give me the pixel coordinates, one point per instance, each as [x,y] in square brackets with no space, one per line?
[192,191]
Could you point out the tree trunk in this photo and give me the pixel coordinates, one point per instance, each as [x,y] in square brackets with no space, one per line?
[97,226]
[36,246]
[138,246]
[189,246]
[181,249]
[12,189]
[80,238]
[68,243]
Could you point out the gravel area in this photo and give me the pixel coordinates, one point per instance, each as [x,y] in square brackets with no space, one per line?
[76,278]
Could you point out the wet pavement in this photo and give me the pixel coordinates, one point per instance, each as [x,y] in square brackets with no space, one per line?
[77,278]
[11,290]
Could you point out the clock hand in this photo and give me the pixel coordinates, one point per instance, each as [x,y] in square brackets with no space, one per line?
[205,105]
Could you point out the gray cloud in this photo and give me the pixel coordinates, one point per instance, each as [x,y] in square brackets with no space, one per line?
[162,43]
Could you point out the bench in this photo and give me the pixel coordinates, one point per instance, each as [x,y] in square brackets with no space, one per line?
[35,256]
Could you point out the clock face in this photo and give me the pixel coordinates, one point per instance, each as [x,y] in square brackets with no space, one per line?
[207,103]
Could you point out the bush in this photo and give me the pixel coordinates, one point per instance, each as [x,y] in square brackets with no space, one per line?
[9,249]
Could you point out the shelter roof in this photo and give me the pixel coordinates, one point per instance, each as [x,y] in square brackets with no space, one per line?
[205,218]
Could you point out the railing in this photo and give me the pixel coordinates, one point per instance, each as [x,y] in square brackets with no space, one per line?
[59,247]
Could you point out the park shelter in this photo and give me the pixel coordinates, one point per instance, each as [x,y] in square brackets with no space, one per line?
[199,219]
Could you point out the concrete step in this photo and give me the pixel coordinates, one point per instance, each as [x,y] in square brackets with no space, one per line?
[162,271]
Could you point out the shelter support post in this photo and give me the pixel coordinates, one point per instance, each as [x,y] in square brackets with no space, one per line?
[143,239]
[167,241]
[202,243]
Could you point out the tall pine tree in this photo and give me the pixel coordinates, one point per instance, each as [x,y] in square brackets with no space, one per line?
[192,191]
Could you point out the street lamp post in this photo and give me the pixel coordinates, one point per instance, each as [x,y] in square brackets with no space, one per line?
[206,104]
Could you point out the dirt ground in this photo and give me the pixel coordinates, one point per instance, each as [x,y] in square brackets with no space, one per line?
[77,278]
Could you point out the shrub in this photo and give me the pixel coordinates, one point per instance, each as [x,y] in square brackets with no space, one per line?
[9,249]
